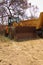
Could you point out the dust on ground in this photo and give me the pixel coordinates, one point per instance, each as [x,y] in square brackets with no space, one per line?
[28,52]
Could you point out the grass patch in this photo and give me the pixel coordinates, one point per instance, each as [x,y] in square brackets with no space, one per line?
[4,39]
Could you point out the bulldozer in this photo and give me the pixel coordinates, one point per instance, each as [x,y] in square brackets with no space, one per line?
[23,29]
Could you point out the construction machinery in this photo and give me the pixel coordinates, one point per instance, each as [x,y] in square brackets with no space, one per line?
[23,29]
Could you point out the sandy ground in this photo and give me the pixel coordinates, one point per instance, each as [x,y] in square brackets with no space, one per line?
[21,53]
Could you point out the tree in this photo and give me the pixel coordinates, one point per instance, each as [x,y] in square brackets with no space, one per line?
[17,8]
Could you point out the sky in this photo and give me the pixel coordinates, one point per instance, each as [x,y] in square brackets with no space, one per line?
[39,3]
[1,1]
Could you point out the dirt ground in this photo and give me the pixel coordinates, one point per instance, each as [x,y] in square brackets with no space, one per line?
[28,52]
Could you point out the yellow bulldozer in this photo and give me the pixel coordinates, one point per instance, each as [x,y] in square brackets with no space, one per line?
[22,29]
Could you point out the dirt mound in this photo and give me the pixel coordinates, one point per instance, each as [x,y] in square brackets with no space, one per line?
[25,32]
[24,29]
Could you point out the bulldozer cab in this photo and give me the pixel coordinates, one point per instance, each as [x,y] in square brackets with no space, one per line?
[11,20]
